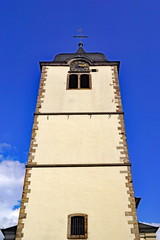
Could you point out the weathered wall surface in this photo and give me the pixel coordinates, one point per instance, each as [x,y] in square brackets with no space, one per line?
[51,193]
[99,98]
[99,192]
[78,139]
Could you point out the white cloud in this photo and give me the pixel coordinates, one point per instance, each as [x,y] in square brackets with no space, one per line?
[1,236]
[4,146]
[7,152]
[11,182]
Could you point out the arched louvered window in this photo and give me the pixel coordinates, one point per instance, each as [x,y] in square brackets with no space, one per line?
[77,226]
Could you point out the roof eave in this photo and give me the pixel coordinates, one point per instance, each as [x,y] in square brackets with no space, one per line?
[97,63]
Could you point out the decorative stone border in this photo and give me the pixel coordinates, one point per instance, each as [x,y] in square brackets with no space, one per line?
[41,89]
[122,146]
[125,158]
[116,88]
[123,142]
[23,214]
[33,146]
[132,205]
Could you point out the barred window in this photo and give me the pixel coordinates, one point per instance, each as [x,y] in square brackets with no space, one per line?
[77,226]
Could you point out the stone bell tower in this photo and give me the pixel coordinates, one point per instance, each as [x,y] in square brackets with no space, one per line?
[78,182]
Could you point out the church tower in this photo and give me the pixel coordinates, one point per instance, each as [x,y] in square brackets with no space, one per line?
[78,182]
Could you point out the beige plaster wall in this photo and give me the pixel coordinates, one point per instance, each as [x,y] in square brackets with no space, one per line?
[99,192]
[58,99]
[78,139]
[103,193]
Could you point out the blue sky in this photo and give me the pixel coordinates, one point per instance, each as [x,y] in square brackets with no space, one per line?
[128,31]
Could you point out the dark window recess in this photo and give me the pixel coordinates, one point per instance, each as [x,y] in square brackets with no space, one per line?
[84,82]
[94,70]
[73,81]
[77,225]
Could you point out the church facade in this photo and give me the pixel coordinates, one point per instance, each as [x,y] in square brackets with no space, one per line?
[78,183]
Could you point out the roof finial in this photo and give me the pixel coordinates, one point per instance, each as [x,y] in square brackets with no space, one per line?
[80,37]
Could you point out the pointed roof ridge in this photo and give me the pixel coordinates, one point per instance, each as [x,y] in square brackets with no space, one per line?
[80,49]
[96,56]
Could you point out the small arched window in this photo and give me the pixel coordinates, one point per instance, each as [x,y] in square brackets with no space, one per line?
[77,226]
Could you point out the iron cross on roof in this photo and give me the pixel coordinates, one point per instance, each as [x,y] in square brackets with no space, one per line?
[80,37]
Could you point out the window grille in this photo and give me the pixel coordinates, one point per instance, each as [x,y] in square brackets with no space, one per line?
[77,225]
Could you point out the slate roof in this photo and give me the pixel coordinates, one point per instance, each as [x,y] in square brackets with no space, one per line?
[93,58]
[9,229]
[9,233]
[145,228]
